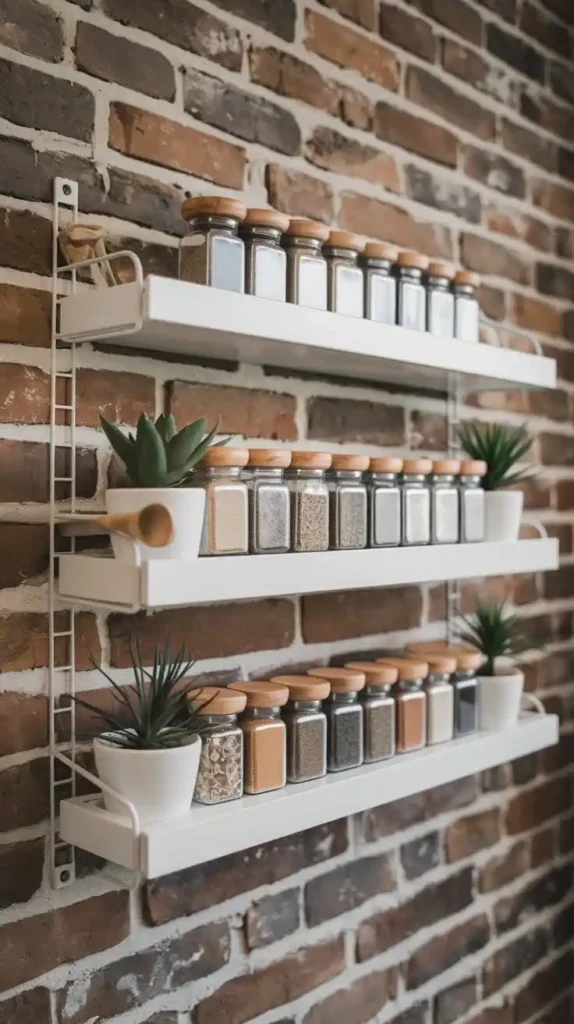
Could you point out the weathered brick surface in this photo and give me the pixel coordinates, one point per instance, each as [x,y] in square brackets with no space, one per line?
[334,152]
[272,918]
[21,872]
[455,1001]
[364,422]
[347,887]
[334,616]
[31,28]
[349,49]
[382,220]
[31,1007]
[365,998]
[247,412]
[431,92]
[400,814]
[116,60]
[36,100]
[415,134]
[440,954]
[184,25]
[299,194]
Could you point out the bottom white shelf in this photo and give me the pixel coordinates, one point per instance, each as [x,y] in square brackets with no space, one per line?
[210,832]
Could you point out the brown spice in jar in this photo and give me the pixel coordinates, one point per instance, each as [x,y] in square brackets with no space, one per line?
[264,736]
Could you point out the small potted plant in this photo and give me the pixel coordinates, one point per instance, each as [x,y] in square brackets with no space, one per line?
[502,448]
[158,459]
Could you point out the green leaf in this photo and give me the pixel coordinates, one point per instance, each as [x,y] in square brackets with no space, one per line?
[122,445]
[501,447]
[181,447]
[202,448]
[151,457]
[166,427]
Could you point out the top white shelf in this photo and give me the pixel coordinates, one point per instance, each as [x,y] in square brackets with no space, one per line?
[193,320]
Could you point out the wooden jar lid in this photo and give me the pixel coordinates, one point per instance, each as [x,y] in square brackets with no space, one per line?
[466,658]
[216,700]
[467,277]
[380,251]
[408,668]
[437,269]
[261,694]
[417,466]
[308,229]
[346,240]
[440,662]
[413,259]
[342,680]
[304,687]
[354,462]
[385,464]
[223,456]
[447,467]
[271,458]
[311,460]
[473,467]
[375,673]
[267,218]
[219,206]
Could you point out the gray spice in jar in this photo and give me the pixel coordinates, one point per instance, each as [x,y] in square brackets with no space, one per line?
[345,738]
[220,775]
[379,732]
[306,750]
[353,520]
[310,521]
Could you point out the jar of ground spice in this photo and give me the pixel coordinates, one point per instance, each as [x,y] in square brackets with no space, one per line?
[309,500]
[472,520]
[378,703]
[264,736]
[440,300]
[377,261]
[411,702]
[306,265]
[269,501]
[306,727]
[440,697]
[415,501]
[345,285]
[464,681]
[384,502]
[265,259]
[348,501]
[445,502]
[225,524]
[412,298]
[212,253]
[220,775]
[466,308]
[344,717]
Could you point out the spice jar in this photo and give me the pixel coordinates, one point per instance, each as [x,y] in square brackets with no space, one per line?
[226,507]
[412,304]
[269,507]
[466,310]
[472,521]
[440,697]
[220,775]
[384,502]
[344,717]
[415,502]
[380,284]
[264,736]
[411,702]
[344,277]
[445,502]
[306,727]
[212,253]
[265,259]
[440,300]
[348,501]
[464,681]
[379,714]
[309,501]
[306,266]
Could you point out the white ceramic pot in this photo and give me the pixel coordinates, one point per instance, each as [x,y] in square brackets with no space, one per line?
[501,699]
[159,783]
[187,507]
[503,514]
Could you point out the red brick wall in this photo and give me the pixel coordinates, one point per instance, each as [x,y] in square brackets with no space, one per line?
[441,124]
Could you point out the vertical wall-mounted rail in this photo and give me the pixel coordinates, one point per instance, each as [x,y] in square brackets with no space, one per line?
[452,420]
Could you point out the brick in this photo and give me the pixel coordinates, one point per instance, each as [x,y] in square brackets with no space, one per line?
[382,220]
[21,871]
[544,987]
[561,8]
[495,171]
[492,302]
[25,718]
[236,112]
[504,868]
[350,613]
[416,1015]
[514,959]
[542,848]
[145,136]
[544,892]
[515,51]
[347,888]
[26,547]
[529,145]
[433,94]
[25,241]
[545,112]
[25,797]
[553,404]
[24,641]
[545,29]
[561,82]
[451,1004]
[332,151]
[565,495]
[31,1007]
[251,413]
[555,199]
[272,918]
[414,134]
[557,450]
[24,471]
[413,810]
[563,926]
[299,194]
[252,994]
[428,430]
[470,835]
[184,25]
[24,394]
[411,33]
[348,49]
[566,164]
[420,855]
[31,28]
[151,973]
[472,67]
[121,397]
[456,15]
[428,907]
[444,952]
[560,756]
[489,257]
[563,534]
[348,420]
[24,316]
[360,11]
[36,100]
[360,1003]
[195,889]
[495,1015]
[554,280]
[140,199]
[443,194]
[561,586]
[506,9]
[565,242]
[276,18]
[536,315]
[118,60]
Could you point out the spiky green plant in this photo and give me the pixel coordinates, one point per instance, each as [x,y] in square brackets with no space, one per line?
[501,448]
[495,632]
[159,455]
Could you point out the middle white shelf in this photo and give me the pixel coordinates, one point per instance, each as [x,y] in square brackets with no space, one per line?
[113,584]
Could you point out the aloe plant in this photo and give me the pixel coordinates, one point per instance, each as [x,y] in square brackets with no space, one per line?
[495,632]
[501,448]
[159,455]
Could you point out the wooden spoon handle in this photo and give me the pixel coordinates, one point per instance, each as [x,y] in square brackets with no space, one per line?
[153,525]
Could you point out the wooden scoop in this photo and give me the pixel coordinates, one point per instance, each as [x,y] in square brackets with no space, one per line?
[153,525]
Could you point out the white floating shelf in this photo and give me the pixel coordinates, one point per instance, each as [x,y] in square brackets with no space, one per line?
[210,832]
[167,584]
[173,316]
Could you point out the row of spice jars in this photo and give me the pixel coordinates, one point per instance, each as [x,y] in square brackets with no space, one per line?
[264,253]
[270,501]
[296,728]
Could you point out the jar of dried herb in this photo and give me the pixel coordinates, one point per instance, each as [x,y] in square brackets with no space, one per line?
[440,300]
[415,501]
[225,524]
[306,727]
[345,282]
[445,501]
[344,717]
[212,253]
[411,702]
[306,265]
[269,501]
[472,520]
[348,501]
[384,502]
[264,736]
[377,261]
[378,703]
[220,775]
[309,500]
[265,259]
[466,308]
[412,299]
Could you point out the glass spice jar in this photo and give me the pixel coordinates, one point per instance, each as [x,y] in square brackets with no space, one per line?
[445,502]
[344,717]
[412,299]
[464,682]
[348,502]
[306,265]
[379,709]
[466,309]
[269,501]
[309,501]
[220,774]
[212,253]
[265,259]
[345,285]
[411,702]
[264,736]
[440,300]
[415,501]
[472,498]
[384,502]
[225,524]
[377,261]
[440,697]
[306,727]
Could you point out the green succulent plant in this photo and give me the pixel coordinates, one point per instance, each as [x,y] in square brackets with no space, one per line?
[501,448]
[158,455]
[495,632]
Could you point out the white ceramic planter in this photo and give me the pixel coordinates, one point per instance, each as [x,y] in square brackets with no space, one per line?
[187,507]
[159,783]
[503,515]
[501,699]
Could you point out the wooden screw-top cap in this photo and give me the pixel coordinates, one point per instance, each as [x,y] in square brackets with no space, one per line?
[375,674]
[270,458]
[308,229]
[219,206]
[408,668]
[216,700]
[446,467]
[342,680]
[441,663]
[385,464]
[304,687]
[267,218]
[467,277]
[346,240]
[311,460]
[417,466]
[262,694]
[412,259]
[436,269]
[223,456]
[473,467]
[354,462]
[467,659]
[380,251]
